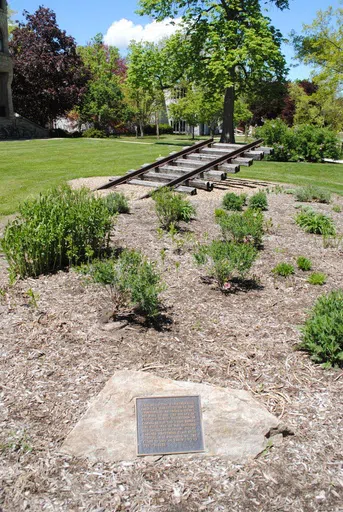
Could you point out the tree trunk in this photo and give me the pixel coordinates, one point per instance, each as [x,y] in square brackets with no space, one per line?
[141,129]
[157,125]
[228,133]
[192,132]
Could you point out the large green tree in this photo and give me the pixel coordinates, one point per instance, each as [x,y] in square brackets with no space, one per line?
[103,104]
[228,43]
[321,46]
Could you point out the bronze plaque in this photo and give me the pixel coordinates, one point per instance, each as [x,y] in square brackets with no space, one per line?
[168,425]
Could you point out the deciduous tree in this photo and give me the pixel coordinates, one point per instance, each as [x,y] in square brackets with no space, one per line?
[228,43]
[104,102]
[49,76]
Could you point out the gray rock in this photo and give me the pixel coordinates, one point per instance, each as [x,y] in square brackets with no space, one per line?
[235,425]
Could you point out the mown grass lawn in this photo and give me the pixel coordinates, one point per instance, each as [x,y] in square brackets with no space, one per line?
[29,167]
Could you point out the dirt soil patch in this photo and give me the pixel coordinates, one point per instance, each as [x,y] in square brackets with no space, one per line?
[58,355]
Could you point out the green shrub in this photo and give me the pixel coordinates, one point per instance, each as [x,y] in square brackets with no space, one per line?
[60,228]
[164,128]
[314,222]
[336,208]
[226,259]
[132,279]
[172,207]
[304,263]
[283,269]
[94,133]
[244,227]
[117,203]
[317,278]
[312,193]
[303,142]
[258,201]
[322,333]
[233,201]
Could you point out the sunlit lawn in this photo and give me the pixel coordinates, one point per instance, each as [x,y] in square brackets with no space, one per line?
[29,167]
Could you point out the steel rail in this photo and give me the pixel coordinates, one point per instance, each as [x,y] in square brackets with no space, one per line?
[127,177]
[213,163]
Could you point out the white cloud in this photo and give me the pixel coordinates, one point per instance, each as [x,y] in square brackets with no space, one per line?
[123,31]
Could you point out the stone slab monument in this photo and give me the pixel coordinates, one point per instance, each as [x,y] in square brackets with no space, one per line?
[140,414]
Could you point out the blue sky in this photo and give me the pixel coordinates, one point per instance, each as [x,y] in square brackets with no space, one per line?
[84,18]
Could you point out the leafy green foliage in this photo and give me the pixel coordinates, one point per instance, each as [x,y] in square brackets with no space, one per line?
[303,142]
[226,260]
[171,208]
[94,133]
[232,201]
[246,227]
[304,263]
[336,208]
[313,222]
[312,193]
[103,104]
[317,278]
[283,269]
[258,201]
[61,227]
[322,333]
[117,203]
[235,41]
[132,279]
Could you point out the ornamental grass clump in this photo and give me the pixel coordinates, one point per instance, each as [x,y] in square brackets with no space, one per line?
[258,201]
[322,333]
[314,222]
[172,208]
[312,193]
[244,227]
[283,269]
[317,278]
[226,260]
[232,201]
[117,203]
[304,264]
[61,227]
[132,280]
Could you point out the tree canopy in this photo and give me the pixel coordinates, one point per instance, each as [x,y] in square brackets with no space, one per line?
[103,103]
[227,45]
[49,76]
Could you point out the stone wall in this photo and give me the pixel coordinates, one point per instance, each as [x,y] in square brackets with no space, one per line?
[6,67]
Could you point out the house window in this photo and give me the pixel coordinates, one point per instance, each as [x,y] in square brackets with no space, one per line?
[178,93]
[179,127]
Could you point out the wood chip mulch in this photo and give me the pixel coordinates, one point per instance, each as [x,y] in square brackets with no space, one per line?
[57,356]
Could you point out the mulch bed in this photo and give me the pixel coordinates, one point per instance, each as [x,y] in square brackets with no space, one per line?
[57,356]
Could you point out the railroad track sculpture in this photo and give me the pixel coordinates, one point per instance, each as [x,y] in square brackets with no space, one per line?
[200,166]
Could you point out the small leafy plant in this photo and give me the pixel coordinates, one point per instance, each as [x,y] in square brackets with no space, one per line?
[172,207]
[244,227]
[233,201]
[117,203]
[62,227]
[312,193]
[133,281]
[304,263]
[258,201]
[226,260]
[322,333]
[336,208]
[317,278]
[283,269]
[314,222]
